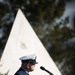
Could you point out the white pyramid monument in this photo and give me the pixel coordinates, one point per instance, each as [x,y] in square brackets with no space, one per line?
[24,41]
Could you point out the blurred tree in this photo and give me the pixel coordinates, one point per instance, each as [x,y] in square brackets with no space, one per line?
[42,14]
[38,13]
[61,46]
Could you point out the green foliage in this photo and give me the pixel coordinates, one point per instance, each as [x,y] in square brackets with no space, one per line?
[3,74]
[42,14]
[36,10]
[38,13]
[60,47]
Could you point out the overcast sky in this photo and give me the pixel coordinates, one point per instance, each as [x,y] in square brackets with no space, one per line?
[69,11]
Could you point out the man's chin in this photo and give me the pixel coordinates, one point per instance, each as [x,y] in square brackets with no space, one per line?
[31,70]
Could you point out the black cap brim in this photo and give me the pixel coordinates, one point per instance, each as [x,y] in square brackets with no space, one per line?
[30,61]
[33,62]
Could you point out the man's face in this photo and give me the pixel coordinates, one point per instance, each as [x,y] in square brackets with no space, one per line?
[31,67]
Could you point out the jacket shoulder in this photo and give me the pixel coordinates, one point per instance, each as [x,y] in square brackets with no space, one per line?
[20,72]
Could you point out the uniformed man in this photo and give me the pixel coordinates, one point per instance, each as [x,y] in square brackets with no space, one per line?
[28,65]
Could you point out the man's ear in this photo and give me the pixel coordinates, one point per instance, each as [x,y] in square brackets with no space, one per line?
[28,65]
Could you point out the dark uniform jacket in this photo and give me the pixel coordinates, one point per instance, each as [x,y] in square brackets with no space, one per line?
[21,72]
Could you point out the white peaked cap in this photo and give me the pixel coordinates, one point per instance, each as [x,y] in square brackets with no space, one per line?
[27,57]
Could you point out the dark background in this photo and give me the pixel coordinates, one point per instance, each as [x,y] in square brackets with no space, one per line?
[56,31]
